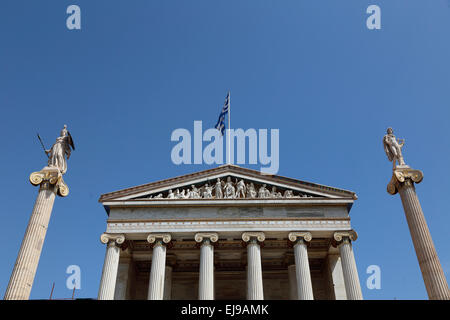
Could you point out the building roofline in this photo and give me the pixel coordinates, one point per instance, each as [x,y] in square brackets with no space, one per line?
[223,169]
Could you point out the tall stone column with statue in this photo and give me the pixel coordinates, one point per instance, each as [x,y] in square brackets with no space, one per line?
[402,181]
[51,183]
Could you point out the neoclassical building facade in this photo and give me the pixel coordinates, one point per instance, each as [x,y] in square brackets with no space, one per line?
[229,233]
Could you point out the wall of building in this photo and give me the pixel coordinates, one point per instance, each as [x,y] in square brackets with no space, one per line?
[228,212]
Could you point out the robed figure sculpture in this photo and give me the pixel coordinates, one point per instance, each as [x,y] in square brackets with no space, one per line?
[60,151]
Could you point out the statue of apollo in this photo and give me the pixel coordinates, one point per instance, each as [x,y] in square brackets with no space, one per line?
[393,148]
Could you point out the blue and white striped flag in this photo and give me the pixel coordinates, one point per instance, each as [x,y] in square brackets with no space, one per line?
[221,122]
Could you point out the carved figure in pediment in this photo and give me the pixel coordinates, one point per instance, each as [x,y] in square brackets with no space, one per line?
[195,194]
[177,194]
[240,189]
[251,192]
[230,191]
[263,192]
[275,194]
[288,194]
[218,189]
[207,191]
[159,196]
[170,195]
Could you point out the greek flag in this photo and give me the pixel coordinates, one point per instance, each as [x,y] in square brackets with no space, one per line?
[221,122]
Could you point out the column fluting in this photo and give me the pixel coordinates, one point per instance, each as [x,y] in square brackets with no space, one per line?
[110,266]
[303,273]
[254,267]
[349,270]
[206,273]
[22,277]
[156,282]
[430,266]
[402,181]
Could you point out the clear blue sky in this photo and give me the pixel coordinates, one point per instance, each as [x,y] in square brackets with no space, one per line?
[140,69]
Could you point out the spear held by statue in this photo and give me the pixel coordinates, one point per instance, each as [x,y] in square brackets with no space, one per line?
[42,144]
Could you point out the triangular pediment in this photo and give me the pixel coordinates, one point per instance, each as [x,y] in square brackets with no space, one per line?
[228,182]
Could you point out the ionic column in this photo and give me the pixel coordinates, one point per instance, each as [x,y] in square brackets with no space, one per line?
[402,181]
[206,275]
[254,268]
[156,283]
[22,277]
[303,274]
[351,279]
[110,266]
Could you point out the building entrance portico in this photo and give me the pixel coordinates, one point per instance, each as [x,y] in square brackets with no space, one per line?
[229,233]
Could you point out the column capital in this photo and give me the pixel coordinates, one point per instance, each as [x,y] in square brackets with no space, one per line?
[211,236]
[405,175]
[259,236]
[341,236]
[113,238]
[165,238]
[49,177]
[299,235]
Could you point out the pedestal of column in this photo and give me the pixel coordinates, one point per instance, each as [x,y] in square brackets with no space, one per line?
[351,278]
[433,276]
[254,268]
[22,277]
[110,266]
[156,283]
[303,274]
[206,274]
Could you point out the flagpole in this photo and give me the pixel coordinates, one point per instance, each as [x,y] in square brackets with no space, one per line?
[229,126]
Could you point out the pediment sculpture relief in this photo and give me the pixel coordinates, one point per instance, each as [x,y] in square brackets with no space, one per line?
[229,189]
